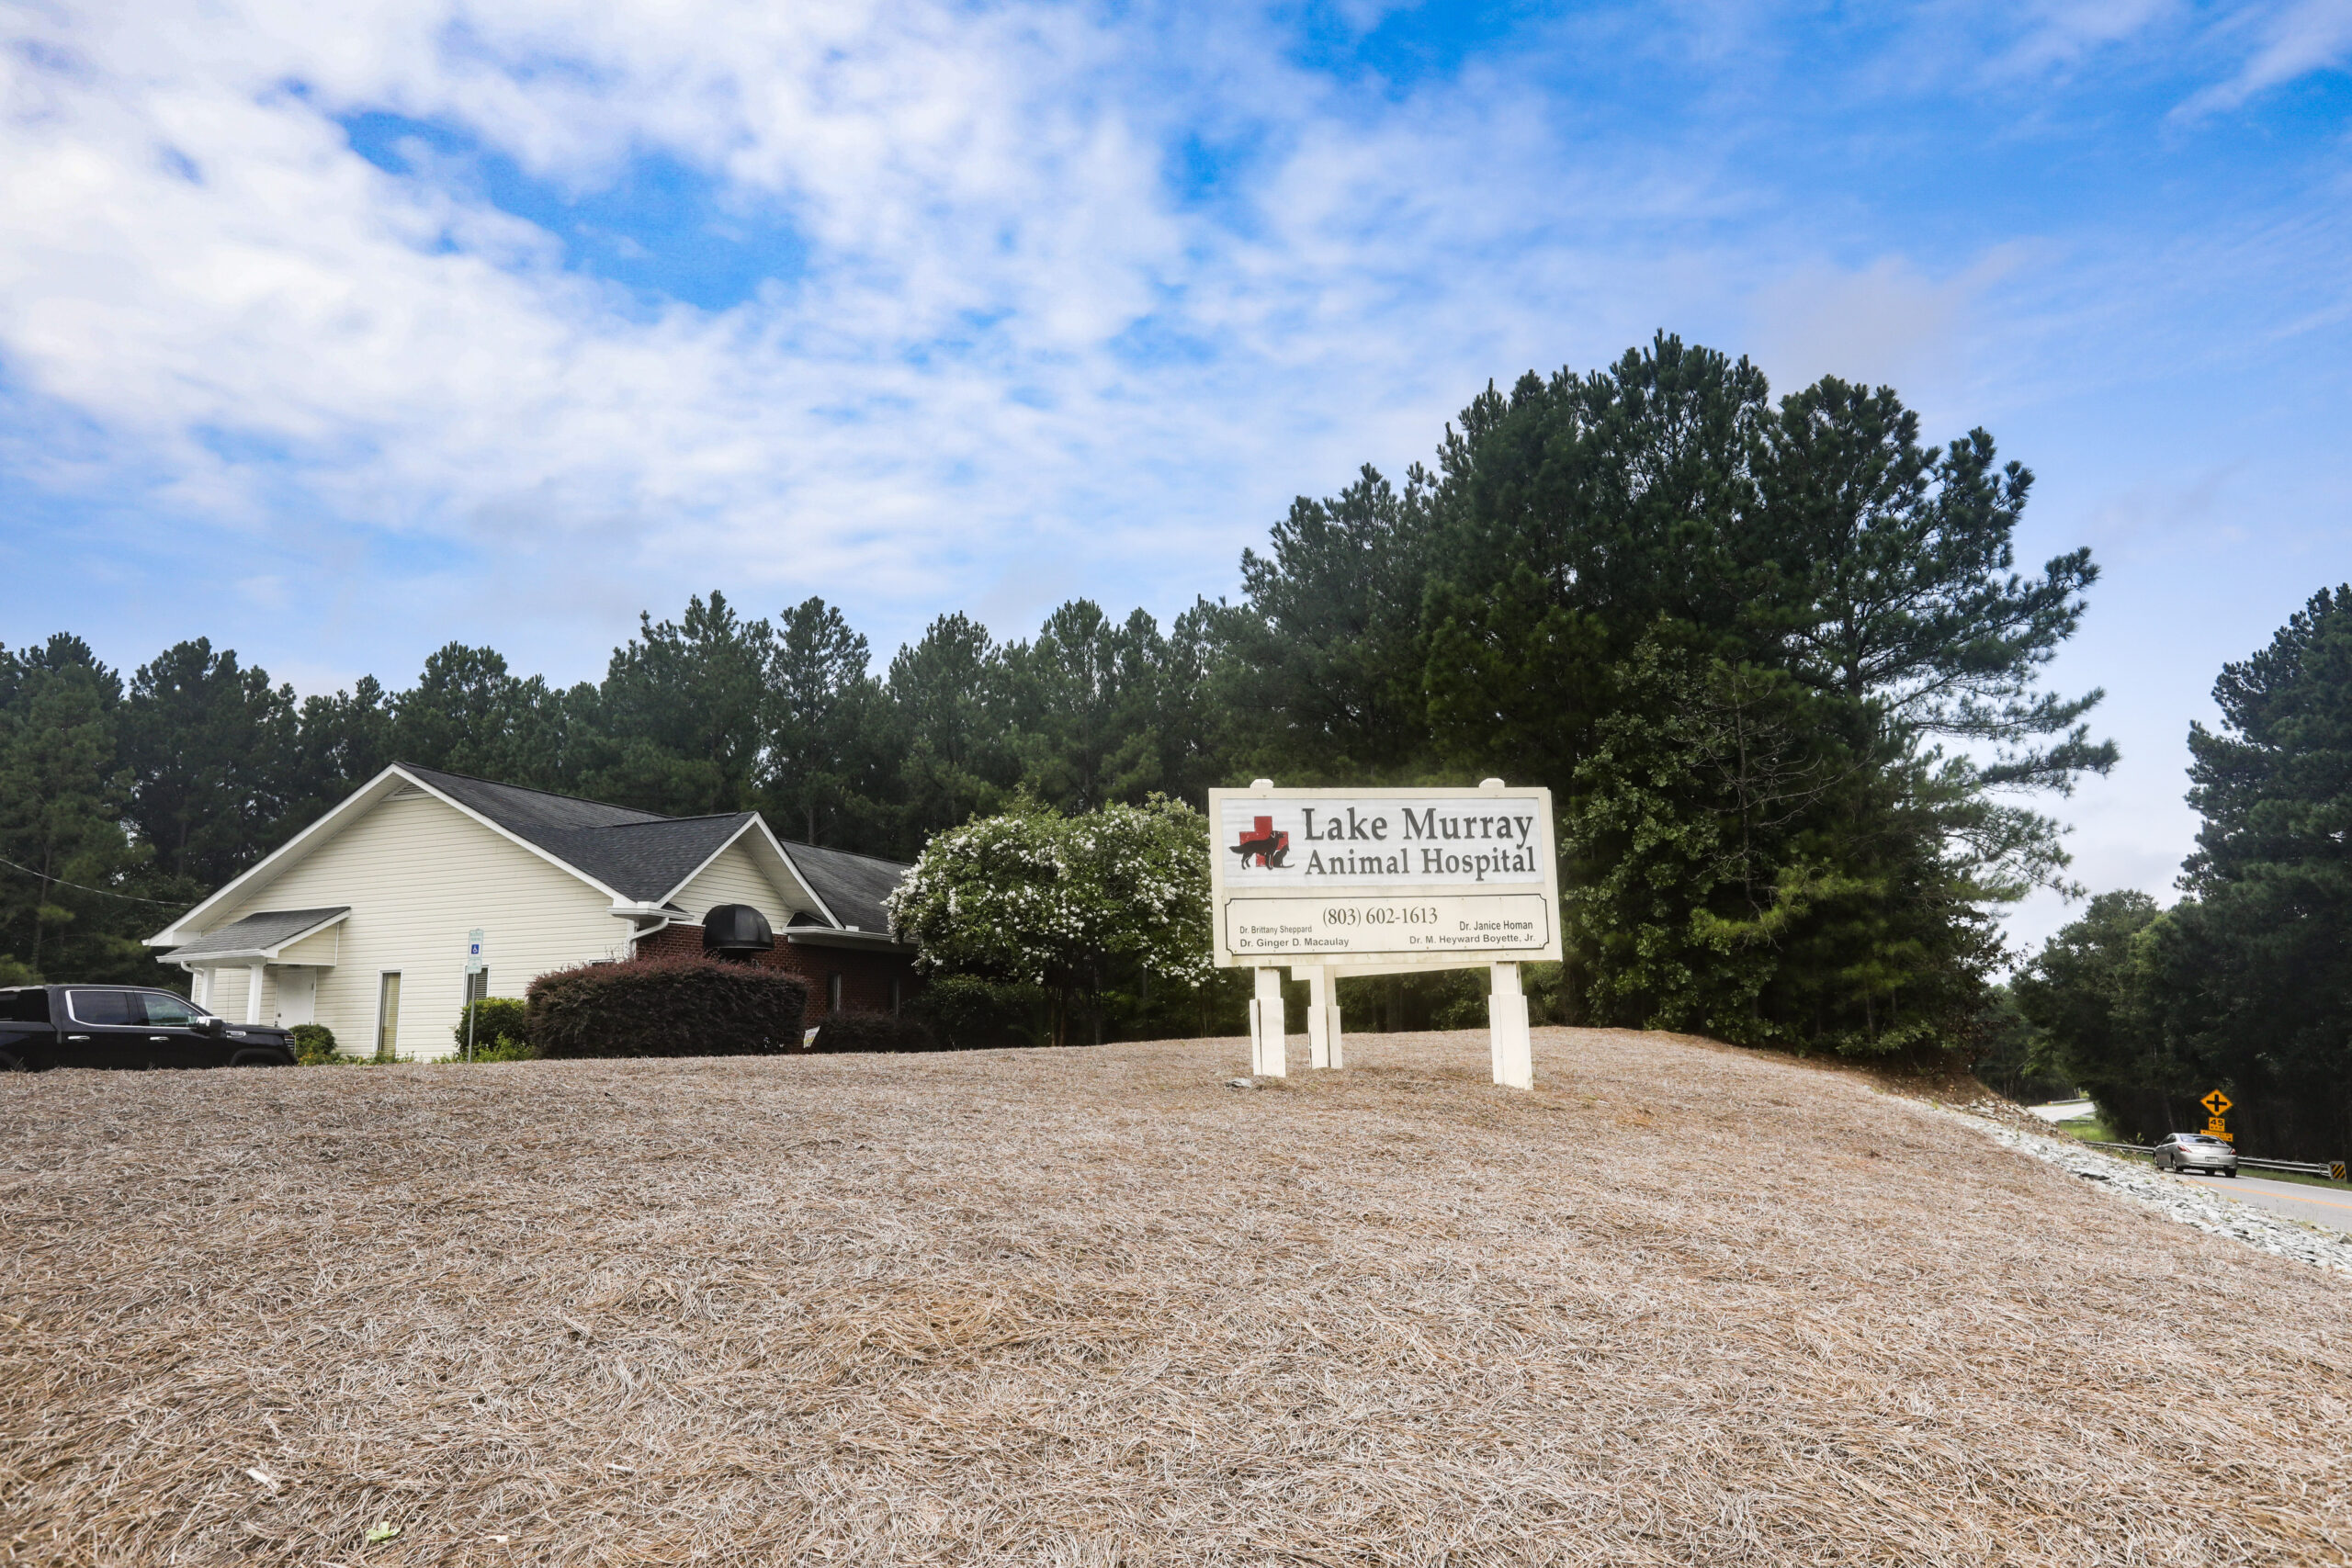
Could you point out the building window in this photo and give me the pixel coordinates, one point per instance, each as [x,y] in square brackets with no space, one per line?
[478,985]
[832,993]
[388,1016]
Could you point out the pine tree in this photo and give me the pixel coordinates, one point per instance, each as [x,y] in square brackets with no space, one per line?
[69,892]
[211,747]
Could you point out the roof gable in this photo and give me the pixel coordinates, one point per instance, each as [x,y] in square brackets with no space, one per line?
[639,856]
[636,857]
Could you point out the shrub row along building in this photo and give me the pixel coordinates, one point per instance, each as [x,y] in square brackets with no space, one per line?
[360,922]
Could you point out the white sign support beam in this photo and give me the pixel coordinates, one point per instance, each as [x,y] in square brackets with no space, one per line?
[1269,1050]
[1507,1037]
[1323,1049]
[1383,881]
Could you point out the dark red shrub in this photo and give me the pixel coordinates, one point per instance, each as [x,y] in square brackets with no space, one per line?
[666,1007]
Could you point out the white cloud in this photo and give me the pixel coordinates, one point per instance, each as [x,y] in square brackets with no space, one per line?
[951,379]
[422,359]
[2061,34]
[2293,40]
[1886,324]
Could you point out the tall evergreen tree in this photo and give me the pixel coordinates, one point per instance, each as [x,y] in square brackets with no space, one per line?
[1321,673]
[342,742]
[951,731]
[468,715]
[824,730]
[2252,972]
[211,747]
[681,719]
[1087,696]
[2087,994]
[69,886]
[1738,640]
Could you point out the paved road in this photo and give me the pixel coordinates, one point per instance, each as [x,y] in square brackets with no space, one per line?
[2330,1206]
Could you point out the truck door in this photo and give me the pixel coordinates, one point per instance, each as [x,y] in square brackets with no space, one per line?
[173,1036]
[103,1026]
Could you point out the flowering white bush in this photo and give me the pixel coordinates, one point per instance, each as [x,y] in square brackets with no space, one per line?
[1050,900]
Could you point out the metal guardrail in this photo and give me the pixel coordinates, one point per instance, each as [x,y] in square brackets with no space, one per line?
[2301,1168]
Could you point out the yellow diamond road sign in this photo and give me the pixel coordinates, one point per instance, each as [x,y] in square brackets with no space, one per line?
[2216,1103]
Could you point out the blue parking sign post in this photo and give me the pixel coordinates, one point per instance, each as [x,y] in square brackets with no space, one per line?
[477,959]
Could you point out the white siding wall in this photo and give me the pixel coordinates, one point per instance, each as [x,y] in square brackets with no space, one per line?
[418,875]
[226,993]
[734,877]
[326,948]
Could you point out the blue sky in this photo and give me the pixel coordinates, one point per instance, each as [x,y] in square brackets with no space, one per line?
[336,333]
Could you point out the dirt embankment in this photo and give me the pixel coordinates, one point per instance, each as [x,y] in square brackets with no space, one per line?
[1680,1303]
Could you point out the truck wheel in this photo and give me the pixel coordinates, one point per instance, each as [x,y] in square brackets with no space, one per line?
[10,1064]
[260,1059]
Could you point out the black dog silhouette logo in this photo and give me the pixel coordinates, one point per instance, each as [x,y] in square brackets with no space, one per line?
[1264,845]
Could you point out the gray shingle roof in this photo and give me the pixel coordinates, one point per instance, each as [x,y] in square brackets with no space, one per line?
[635,854]
[852,886]
[528,811]
[646,860]
[644,856]
[257,933]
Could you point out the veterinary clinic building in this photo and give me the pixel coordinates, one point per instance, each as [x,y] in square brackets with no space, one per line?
[360,922]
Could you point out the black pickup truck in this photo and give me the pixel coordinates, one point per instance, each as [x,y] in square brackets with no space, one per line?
[126,1026]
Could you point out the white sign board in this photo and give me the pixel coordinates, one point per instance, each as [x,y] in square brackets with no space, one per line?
[1384,878]
[477,951]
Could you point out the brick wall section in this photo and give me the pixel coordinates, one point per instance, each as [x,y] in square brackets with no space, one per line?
[866,976]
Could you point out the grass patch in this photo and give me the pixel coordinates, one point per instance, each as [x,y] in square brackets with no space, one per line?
[2090,1129]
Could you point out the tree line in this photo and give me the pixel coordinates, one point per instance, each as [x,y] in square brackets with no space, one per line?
[2246,984]
[1774,657]
[123,799]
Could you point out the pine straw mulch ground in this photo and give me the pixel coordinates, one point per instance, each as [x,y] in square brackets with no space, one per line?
[1679,1305]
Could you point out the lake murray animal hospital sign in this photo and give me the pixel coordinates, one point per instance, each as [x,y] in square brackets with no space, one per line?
[1327,882]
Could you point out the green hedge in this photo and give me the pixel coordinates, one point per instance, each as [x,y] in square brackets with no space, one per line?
[666,1007]
[967,1013]
[313,1045]
[847,1032]
[502,1030]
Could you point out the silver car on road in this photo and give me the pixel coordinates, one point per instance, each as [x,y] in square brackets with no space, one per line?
[2187,1152]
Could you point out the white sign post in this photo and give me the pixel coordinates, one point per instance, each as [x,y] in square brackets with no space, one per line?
[1338,881]
[477,959]
[1323,1048]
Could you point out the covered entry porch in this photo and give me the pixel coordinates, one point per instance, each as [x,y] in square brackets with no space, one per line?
[264,968]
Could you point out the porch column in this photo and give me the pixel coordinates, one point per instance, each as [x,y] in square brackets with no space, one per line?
[253,993]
